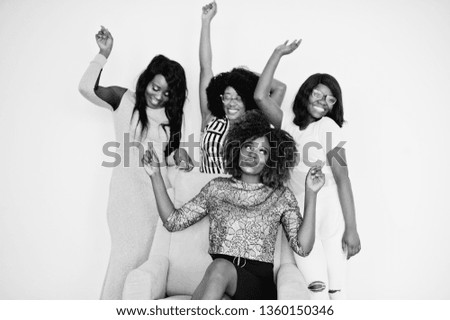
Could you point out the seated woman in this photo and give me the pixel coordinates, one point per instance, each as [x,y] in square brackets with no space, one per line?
[245,210]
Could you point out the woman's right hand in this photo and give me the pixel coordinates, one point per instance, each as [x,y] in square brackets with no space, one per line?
[104,41]
[286,48]
[151,163]
[209,11]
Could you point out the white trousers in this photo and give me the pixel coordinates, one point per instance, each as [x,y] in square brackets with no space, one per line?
[324,269]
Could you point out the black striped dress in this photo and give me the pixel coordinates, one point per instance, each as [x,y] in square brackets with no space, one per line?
[212,146]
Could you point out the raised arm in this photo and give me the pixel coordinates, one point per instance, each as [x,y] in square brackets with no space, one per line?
[350,239]
[152,167]
[108,97]
[205,54]
[277,90]
[268,101]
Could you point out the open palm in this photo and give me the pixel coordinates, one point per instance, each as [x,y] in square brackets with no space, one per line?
[287,48]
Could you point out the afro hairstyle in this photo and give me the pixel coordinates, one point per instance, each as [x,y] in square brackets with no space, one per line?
[241,80]
[282,154]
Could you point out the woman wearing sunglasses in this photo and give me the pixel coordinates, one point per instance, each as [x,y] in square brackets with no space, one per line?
[316,128]
[224,98]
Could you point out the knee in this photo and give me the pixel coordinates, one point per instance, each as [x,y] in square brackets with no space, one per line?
[317,286]
[218,269]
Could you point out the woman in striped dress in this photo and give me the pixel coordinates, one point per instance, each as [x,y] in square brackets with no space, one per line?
[223,98]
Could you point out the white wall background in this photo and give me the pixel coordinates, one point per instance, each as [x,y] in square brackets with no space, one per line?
[390,57]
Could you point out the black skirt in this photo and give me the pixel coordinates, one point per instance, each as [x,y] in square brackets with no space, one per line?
[254,278]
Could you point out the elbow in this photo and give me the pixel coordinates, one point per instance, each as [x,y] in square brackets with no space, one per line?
[169,227]
[305,250]
[280,87]
[82,88]
[85,90]
[259,98]
[304,253]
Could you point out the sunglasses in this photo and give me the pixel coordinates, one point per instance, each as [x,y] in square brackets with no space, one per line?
[226,99]
[319,95]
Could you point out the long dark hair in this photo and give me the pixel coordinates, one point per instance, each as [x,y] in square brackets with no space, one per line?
[241,80]
[300,105]
[175,77]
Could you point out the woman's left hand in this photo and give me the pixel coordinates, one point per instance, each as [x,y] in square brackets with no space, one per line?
[286,48]
[315,179]
[350,242]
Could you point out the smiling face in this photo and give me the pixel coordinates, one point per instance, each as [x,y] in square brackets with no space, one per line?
[233,105]
[321,102]
[157,92]
[253,157]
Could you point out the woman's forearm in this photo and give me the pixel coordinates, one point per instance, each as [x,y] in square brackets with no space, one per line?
[206,73]
[347,202]
[268,105]
[163,202]
[205,51]
[307,231]
[89,81]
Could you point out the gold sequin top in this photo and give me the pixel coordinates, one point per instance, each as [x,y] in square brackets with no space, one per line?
[244,218]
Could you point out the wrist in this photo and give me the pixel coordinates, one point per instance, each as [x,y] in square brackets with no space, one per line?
[309,193]
[156,175]
[277,53]
[206,22]
[308,190]
[105,53]
[350,228]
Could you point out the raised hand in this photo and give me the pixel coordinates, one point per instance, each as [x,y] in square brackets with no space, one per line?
[151,162]
[350,242]
[182,160]
[287,48]
[315,179]
[104,41]
[209,11]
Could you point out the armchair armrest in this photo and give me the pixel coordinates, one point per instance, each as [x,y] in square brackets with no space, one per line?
[291,284]
[148,281]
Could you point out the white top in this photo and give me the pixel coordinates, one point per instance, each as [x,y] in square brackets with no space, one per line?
[313,144]
[132,212]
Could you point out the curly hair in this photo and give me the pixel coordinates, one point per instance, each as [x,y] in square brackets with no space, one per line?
[175,77]
[252,125]
[241,80]
[300,105]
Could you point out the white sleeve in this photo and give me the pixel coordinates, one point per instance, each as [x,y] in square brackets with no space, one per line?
[288,125]
[330,134]
[89,79]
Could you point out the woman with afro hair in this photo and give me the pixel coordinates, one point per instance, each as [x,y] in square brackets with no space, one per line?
[223,98]
[245,210]
[153,113]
